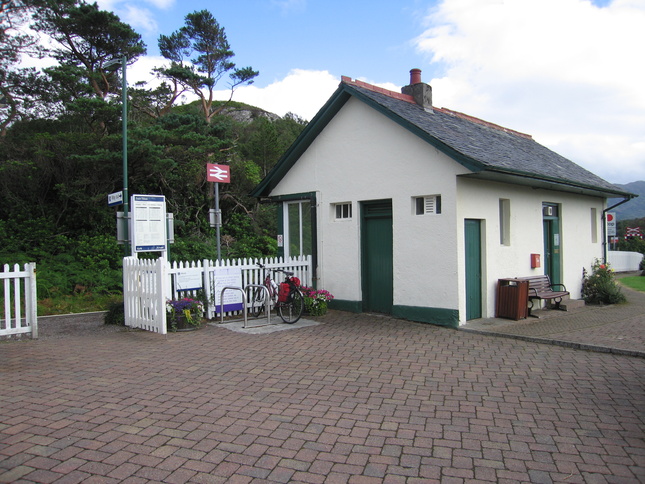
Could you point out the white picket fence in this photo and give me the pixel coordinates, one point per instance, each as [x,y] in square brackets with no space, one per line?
[148,284]
[19,297]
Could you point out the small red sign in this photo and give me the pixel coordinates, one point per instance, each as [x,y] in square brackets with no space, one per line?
[218,173]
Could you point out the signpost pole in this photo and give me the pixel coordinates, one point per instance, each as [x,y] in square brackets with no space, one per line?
[217,174]
[218,222]
[126,198]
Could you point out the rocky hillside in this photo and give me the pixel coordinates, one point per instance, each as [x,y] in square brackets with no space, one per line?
[245,114]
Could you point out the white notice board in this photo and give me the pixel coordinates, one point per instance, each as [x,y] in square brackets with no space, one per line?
[148,223]
[228,277]
[189,280]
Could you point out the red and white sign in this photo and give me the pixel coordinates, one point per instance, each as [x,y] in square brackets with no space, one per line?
[218,173]
[611,223]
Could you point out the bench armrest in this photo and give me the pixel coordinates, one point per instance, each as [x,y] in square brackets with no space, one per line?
[561,285]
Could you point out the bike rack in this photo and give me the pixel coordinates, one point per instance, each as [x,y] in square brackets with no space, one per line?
[244,299]
[267,300]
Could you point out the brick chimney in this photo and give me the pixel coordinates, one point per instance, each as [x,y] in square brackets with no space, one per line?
[421,92]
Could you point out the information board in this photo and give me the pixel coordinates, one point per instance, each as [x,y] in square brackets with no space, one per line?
[148,223]
[189,280]
[228,277]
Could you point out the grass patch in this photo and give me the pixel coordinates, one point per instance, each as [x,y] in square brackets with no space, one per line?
[77,303]
[634,282]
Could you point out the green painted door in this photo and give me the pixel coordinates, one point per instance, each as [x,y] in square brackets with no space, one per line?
[551,231]
[376,263]
[552,259]
[473,239]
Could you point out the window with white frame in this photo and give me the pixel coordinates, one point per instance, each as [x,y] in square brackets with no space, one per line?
[429,204]
[297,228]
[343,211]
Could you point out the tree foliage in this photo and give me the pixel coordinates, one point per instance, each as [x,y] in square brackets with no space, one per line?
[205,41]
[87,41]
[18,86]
[61,156]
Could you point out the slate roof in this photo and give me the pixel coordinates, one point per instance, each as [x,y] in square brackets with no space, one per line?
[487,150]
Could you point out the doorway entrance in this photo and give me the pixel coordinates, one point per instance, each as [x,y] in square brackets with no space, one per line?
[377,256]
[551,231]
[473,244]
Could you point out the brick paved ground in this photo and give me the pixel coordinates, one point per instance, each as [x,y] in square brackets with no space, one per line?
[358,399]
[619,328]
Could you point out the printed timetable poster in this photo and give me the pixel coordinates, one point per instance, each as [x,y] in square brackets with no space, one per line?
[228,277]
[148,223]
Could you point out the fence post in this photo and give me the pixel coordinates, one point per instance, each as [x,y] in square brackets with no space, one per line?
[163,283]
[208,290]
[126,291]
[31,299]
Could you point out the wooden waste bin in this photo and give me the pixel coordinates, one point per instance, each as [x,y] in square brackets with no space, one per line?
[512,299]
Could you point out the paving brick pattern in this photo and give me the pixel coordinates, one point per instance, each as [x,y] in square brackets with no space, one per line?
[619,328]
[357,399]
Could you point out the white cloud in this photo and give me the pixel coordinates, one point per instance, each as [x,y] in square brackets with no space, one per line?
[139,18]
[113,5]
[301,92]
[288,6]
[141,70]
[564,71]
[136,13]
[162,4]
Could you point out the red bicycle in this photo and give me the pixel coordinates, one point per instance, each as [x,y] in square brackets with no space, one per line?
[285,297]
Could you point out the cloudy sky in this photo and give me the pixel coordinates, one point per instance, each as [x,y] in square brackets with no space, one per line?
[569,72]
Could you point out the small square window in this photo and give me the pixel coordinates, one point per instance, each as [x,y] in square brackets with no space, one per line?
[426,205]
[343,211]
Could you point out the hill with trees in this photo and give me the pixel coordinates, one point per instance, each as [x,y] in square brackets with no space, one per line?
[635,208]
[61,143]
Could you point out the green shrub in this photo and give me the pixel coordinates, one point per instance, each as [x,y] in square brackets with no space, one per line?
[115,314]
[600,286]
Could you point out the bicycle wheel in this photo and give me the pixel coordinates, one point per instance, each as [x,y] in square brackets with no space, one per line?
[291,311]
[257,303]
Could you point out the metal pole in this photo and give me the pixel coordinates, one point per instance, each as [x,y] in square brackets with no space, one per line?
[126,199]
[218,222]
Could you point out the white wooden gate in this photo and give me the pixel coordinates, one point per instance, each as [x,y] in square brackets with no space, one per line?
[145,287]
[19,297]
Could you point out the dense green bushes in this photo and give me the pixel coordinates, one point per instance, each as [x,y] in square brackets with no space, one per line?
[61,148]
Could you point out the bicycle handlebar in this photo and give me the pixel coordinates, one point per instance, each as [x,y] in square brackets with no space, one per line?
[262,266]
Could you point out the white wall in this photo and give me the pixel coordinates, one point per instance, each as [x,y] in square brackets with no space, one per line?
[480,200]
[624,261]
[362,155]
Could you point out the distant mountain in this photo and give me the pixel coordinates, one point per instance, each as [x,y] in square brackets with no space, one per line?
[635,208]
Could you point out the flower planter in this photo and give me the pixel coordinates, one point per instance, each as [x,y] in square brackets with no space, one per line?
[182,324]
[184,315]
[315,308]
